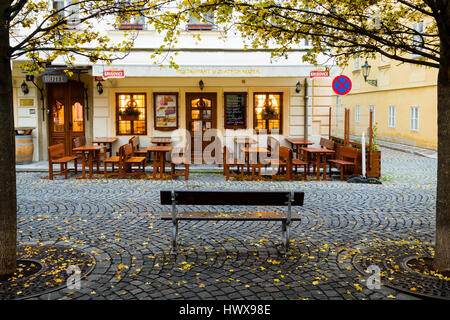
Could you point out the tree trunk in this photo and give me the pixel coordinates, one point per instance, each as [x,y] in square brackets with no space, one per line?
[442,256]
[8,202]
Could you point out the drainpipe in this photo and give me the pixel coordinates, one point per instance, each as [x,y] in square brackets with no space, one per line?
[306,100]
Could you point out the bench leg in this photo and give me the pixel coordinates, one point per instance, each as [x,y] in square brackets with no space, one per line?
[174,235]
[285,234]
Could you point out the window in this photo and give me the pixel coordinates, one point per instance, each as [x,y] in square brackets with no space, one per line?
[204,21]
[418,40]
[69,10]
[391,120]
[414,120]
[372,108]
[356,64]
[267,113]
[131,114]
[357,113]
[132,22]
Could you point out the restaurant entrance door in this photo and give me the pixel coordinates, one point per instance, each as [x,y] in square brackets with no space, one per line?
[201,115]
[65,113]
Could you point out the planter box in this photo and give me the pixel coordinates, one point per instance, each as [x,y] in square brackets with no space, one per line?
[128,118]
[373,168]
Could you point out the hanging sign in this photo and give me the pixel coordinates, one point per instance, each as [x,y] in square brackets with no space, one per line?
[342,85]
[319,74]
[54,78]
[113,74]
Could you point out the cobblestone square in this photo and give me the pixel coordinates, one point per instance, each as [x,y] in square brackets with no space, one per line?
[116,222]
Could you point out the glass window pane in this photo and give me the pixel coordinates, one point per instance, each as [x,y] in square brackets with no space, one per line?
[77,117]
[58,117]
[135,103]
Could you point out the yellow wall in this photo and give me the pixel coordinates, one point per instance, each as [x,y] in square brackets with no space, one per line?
[403,86]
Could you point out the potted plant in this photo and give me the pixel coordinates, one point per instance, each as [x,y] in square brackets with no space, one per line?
[269,113]
[130,113]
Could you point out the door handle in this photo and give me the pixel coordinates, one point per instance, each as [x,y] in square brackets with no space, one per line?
[70,125]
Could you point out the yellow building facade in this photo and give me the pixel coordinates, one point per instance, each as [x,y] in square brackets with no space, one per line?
[404,102]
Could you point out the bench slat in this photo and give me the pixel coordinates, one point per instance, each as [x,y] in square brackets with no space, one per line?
[239,216]
[262,198]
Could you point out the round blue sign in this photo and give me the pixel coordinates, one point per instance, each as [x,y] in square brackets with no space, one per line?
[342,85]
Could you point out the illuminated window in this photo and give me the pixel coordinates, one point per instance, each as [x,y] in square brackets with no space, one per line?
[131,114]
[267,113]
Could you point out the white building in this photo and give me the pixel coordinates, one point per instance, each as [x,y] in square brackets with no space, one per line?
[218,85]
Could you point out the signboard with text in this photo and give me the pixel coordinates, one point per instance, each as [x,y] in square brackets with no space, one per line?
[113,74]
[319,74]
[54,78]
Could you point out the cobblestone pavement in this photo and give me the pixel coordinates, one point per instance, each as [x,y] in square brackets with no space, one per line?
[116,221]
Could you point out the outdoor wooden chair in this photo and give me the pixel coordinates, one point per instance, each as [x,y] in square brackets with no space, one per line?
[181,160]
[284,162]
[330,145]
[229,161]
[114,161]
[347,158]
[137,150]
[129,160]
[78,142]
[56,156]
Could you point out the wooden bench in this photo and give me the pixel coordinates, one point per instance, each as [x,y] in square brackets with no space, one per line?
[232,198]
[347,158]
[56,156]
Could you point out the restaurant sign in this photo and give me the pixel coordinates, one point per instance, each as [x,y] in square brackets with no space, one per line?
[319,74]
[113,74]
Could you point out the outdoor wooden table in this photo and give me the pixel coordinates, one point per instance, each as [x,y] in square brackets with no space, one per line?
[320,155]
[258,164]
[107,142]
[161,141]
[298,143]
[90,151]
[159,160]
[243,142]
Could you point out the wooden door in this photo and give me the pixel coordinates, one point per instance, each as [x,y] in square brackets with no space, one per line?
[201,115]
[65,113]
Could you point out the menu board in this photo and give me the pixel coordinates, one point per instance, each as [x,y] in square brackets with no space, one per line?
[166,111]
[235,110]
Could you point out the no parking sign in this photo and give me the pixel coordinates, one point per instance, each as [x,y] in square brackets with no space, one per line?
[342,85]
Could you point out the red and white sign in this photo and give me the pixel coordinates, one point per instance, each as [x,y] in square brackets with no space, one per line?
[113,74]
[319,74]
[97,78]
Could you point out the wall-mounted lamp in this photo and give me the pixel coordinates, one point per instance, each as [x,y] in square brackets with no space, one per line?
[24,88]
[201,85]
[298,87]
[99,87]
[366,71]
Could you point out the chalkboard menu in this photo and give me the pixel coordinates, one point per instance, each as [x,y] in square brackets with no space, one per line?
[235,110]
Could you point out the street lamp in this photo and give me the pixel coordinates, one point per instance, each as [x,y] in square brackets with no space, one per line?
[99,88]
[298,87]
[366,71]
[201,84]
[24,88]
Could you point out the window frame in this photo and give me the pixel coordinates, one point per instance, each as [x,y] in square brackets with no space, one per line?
[372,107]
[133,24]
[414,118]
[281,111]
[392,116]
[132,127]
[418,27]
[358,113]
